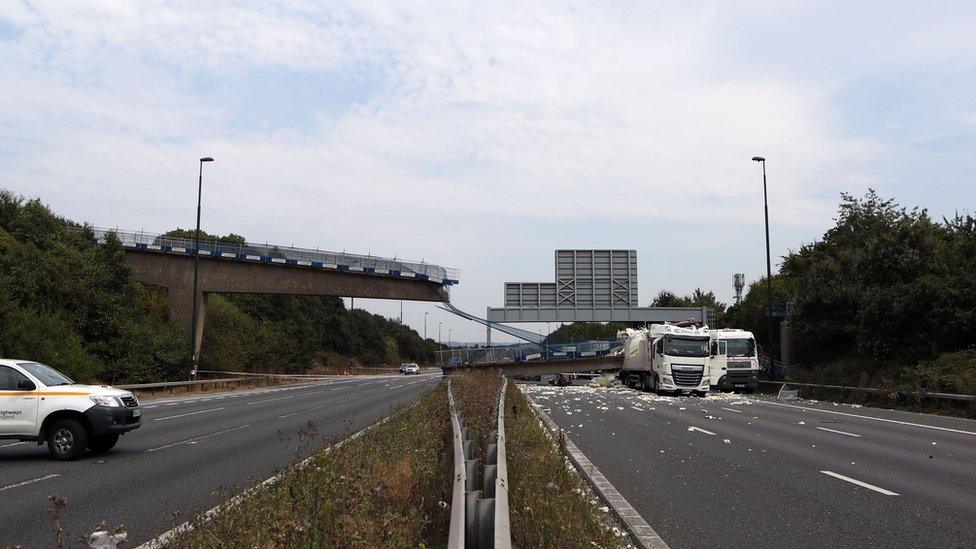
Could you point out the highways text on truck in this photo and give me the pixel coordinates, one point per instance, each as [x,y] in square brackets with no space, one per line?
[38,403]
[666,358]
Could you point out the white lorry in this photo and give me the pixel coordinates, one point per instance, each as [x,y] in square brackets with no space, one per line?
[666,359]
[38,403]
[733,360]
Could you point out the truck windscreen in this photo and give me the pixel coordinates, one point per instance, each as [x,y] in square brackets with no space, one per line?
[679,346]
[741,347]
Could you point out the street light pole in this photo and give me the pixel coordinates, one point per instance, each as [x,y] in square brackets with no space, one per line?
[769,271]
[425,325]
[194,352]
[439,324]
[449,336]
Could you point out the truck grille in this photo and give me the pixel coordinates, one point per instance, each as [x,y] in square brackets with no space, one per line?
[739,376]
[130,401]
[686,376]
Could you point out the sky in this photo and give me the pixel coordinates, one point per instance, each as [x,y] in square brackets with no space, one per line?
[484,135]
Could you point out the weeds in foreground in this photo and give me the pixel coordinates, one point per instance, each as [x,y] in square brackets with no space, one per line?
[550,504]
[379,490]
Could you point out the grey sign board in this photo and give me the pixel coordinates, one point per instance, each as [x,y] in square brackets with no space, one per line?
[589,286]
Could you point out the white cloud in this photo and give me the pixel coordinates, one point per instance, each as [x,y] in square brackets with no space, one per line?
[480,128]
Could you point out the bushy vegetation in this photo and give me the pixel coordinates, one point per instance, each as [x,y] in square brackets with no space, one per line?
[277,333]
[384,489]
[70,303]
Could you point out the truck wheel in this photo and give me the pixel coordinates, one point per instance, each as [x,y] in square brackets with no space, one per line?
[103,443]
[67,439]
[654,386]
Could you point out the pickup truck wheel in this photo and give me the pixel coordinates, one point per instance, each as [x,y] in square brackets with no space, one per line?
[67,439]
[103,443]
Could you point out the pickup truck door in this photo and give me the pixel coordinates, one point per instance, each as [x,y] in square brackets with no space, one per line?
[18,407]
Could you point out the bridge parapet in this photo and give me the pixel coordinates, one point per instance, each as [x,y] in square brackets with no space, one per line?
[285,255]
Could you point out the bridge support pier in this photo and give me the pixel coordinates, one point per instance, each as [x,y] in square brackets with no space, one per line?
[219,275]
[181,311]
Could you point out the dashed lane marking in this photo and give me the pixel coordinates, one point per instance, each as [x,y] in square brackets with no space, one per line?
[191,413]
[860,483]
[811,409]
[196,439]
[839,432]
[31,481]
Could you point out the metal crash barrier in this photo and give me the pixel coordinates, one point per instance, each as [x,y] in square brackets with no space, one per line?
[479,518]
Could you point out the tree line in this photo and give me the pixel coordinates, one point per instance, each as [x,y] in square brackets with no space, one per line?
[887,297]
[72,304]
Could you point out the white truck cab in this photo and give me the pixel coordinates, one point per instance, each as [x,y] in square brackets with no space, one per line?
[38,403]
[666,359]
[733,360]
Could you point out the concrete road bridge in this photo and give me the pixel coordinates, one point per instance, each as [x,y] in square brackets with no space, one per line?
[234,267]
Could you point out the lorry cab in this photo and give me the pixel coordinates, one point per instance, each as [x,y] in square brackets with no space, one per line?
[667,359]
[38,403]
[733,360]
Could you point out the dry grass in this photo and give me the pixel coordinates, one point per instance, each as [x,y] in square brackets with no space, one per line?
[550,504]
[381,490]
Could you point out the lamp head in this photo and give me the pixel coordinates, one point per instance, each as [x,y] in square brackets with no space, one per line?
[758,159]
[206,159]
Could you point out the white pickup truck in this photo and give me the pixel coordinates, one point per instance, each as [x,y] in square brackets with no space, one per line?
[38,403]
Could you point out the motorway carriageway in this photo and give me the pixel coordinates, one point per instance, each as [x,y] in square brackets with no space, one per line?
[187,449]
[735,471]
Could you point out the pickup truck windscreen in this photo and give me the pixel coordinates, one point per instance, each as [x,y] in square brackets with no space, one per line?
[680,346]
[48,375]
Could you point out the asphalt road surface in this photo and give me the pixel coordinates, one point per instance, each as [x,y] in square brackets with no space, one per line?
[730,471]
[187,449]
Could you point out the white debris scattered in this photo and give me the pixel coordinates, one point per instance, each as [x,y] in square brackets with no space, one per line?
[105,540]
[802,423]
[604,509]
[682,408]
[727,441]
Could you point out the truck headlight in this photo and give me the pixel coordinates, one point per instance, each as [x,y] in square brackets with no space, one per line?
[111,402]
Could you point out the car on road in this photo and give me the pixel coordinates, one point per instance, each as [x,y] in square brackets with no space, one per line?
[408,368]
[39,403]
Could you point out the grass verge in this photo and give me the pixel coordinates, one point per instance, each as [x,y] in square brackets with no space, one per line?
[383,489]
[550,504]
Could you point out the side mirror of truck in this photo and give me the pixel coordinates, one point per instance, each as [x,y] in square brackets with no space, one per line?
[26,385]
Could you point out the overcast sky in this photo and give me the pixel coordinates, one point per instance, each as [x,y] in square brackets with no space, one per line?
[483,136]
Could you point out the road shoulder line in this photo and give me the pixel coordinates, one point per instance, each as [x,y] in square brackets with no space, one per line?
[635,524]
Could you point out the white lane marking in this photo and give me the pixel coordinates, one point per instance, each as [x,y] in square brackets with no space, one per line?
[269,400]
[196,439]
[839,432]
[732,410]
[31,481]
[701,430]
[947,429]
[860,483]
[289,415]
[191,413]
[11,444]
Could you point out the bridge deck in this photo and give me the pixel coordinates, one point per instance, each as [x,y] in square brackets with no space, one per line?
[284,255]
